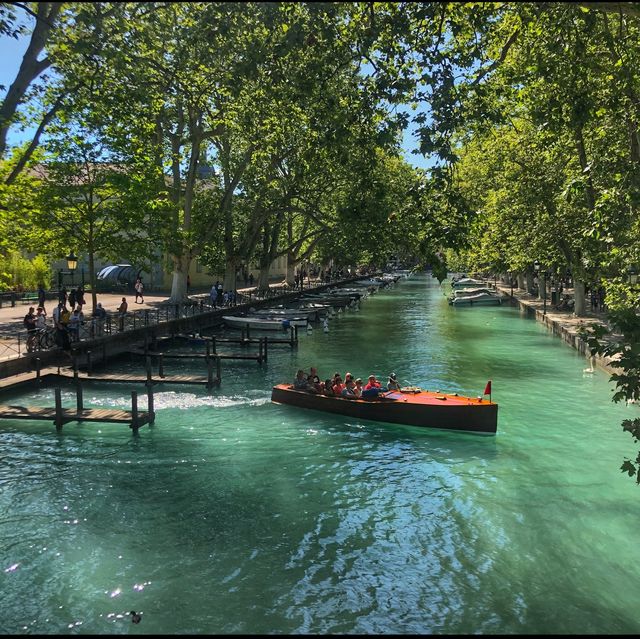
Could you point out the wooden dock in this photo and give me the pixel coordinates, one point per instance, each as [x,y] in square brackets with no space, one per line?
[60,416]
[120,378]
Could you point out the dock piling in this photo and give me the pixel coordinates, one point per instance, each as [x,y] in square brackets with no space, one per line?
[265,348]
[79,403]
[218,370]
[150,409]
[58,419]
[148,366]
[38,366]
[89,363]
[134,412]
[160,364]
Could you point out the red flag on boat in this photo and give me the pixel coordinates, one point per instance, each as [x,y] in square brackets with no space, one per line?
[487,388]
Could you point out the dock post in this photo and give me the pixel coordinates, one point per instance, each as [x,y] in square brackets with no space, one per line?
[38,364]
[248,335]
[218,371]
[161,364]
[89,363]
[291,335]
[146,344]
[79,404]
[265,348]
[208,349]
[134,412]
[260,350]
[58,420]
[152,412]
[148,365]
[242,334]
[214,348]
[209,373]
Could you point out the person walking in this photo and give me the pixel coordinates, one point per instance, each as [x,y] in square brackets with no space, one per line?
[213,294]
[139,286]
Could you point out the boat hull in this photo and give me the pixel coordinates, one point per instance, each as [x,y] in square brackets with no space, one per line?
[425,409]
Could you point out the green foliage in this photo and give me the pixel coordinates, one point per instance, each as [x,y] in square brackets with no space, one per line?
[19,272]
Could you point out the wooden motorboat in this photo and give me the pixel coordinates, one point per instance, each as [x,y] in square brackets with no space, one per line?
[411,406]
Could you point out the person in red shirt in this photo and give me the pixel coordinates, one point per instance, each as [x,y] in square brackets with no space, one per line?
[372,383]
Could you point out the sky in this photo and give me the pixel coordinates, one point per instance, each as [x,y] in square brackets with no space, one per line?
[12,50]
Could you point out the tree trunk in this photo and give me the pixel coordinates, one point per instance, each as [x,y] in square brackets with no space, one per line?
[179,284]
[529,277]
[520,278]
[542,285]
[230,272]
[291,274]
[579,308]
[93,282]
[263,279]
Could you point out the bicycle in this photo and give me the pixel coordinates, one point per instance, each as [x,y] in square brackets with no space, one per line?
[46,338]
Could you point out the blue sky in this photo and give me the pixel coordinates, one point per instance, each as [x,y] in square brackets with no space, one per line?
[11,52]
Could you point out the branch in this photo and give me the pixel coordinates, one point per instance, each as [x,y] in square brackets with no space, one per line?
[503,54]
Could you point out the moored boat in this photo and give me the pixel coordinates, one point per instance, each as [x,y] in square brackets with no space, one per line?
[467,282]
[478,299]
[413,407]
[257,323]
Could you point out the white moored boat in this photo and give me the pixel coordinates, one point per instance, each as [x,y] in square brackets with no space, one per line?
[478,299]
[256,323]
[467,282]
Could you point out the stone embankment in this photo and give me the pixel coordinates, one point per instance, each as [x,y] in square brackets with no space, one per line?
[564,324]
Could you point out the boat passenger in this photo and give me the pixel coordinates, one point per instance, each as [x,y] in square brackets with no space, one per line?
[300,382]
[393,384]
[338,386]
[328,387]
[315,385]
[347,377]
[349,389]
[358,387]
[372,383]
[372,388]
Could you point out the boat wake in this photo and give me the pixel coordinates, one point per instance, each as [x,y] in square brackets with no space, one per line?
[184,401]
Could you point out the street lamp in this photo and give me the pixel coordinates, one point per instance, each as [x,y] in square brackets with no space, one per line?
[72,264]
[536,268]
[633,275]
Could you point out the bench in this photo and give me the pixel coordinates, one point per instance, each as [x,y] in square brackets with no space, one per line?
[29,298]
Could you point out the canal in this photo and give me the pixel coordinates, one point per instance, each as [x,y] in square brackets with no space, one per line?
[235,515]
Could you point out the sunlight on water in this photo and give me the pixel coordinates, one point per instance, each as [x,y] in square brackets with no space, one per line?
[235,515]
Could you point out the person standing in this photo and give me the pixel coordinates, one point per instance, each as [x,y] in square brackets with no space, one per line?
[122,312]
[30,324]
[139,286]
[72,298]
[213,294]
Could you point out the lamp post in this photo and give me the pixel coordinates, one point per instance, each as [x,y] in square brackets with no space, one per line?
[536,268]
[544,294]
[72,264]
[633,275]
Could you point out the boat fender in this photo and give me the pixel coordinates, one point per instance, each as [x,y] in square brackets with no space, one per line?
[442,397]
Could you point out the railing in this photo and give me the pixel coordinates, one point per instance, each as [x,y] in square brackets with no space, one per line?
[16,344]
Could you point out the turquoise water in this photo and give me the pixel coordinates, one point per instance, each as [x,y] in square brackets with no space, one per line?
[235,515]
